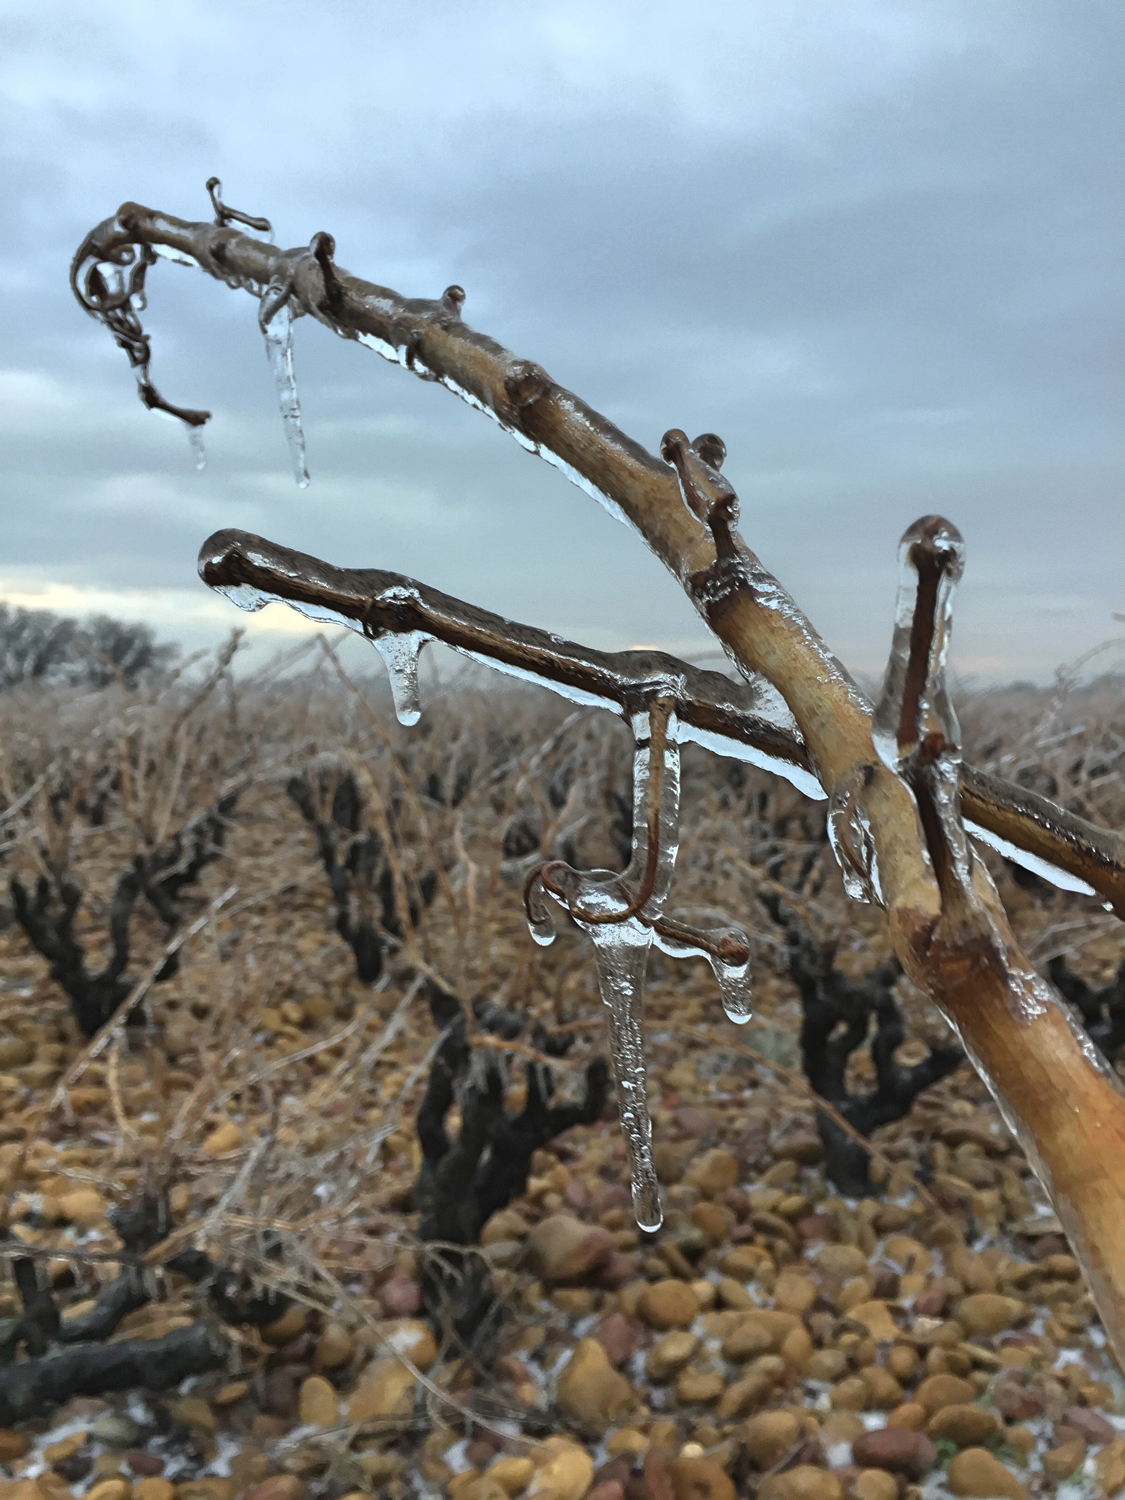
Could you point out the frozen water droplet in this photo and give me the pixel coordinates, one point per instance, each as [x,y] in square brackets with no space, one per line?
[734,987]
[540,922]
[851,837]
[726,947]
[400,655]
[195,442]
[276,321]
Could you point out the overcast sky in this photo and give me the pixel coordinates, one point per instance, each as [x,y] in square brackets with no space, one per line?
[877,246]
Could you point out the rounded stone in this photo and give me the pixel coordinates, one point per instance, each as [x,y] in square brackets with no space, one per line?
[668,1304]
[562,1248]
[804,1482]
[976,1473]
[989,1312]
[849,1394]
[317,1405]
[844,1261]
[670,1354]
[563,1472]
[13,1445]
[153,1487]
[511,1473]
[109,1489]
[769,1436]
[700,1479]
[116,1430]
[794,1293]
[1061,1462]
[277,1487]
[875,1484]
[967,1425]
[943,1390]
[698,1387]
[591,1389]
[895,1449]
[333,1347]
[713,1172]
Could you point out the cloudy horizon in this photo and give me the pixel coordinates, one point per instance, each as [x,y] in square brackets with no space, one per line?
[875,246]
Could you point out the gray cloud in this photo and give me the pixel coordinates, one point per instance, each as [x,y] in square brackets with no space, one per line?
[875,246]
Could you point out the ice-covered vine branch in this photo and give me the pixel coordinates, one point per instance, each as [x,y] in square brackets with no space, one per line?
[429,338]
[896,799]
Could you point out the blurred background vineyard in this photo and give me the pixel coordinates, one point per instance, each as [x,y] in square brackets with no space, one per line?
[268,1095]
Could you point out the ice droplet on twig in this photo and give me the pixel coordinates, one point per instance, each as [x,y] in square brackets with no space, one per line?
[540,922]
[726,948]
[276,321]
[400,655]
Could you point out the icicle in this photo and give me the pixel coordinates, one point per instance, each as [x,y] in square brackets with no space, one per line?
[195,443]
[276,322]
[400,655]
[621,954]
[623,916]
[617,911]
[849,833]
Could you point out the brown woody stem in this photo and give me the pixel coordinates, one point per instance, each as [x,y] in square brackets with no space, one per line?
[1067,1110]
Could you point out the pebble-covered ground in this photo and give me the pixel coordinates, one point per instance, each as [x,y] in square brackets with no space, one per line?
[772,1338]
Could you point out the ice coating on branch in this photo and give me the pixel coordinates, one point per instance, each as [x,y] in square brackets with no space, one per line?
[276,321]
[914,726]
[400,655]
[914,716]
[849,833]
[804,781]
[1041,867]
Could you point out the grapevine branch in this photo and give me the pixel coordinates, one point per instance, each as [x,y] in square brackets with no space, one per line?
[897,798]
[372,600]
[429,338]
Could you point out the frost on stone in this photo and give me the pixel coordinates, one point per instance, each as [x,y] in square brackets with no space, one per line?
[275,318]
